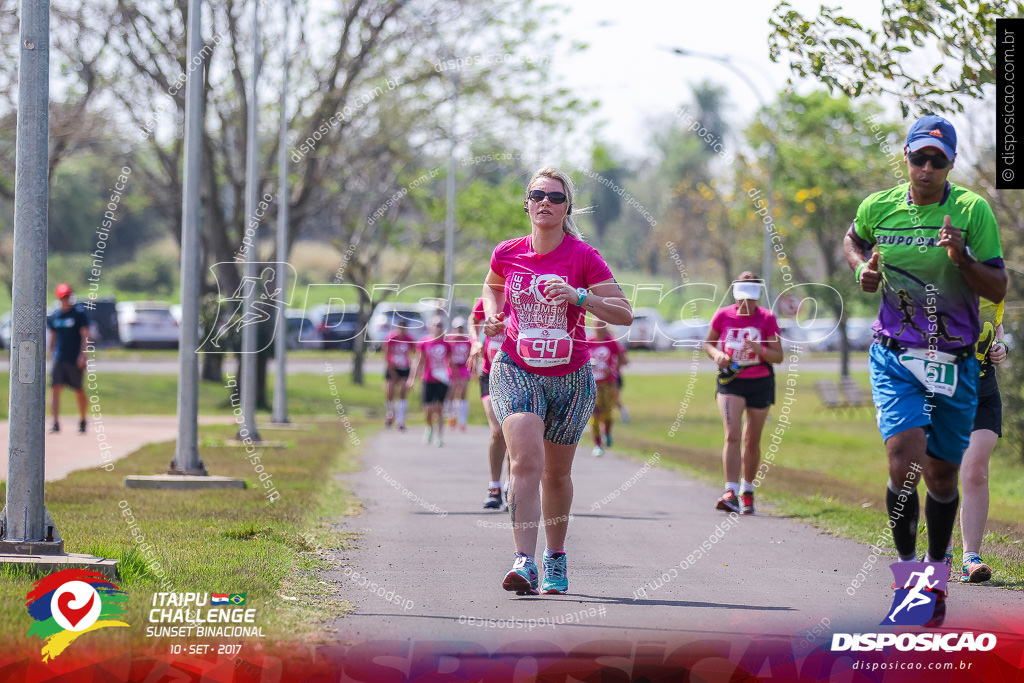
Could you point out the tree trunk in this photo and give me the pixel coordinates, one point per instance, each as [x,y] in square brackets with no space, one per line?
[844,349]
[211,367]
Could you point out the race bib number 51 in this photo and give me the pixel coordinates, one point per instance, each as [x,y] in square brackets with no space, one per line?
[935,370]
[544,347]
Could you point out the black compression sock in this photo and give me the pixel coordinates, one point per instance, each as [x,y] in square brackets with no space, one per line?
[940,518]
[905,516]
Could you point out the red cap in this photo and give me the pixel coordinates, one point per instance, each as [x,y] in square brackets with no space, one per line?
[63,290]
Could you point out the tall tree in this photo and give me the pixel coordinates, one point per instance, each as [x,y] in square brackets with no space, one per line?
[828,155]
[932,55]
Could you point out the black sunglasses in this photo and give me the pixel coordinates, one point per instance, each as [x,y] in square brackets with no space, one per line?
[553,197]
[939,161]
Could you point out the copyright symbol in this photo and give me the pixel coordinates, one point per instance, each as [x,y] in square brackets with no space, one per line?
[1007,174]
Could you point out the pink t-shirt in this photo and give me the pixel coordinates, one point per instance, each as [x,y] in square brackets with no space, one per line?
[734,329]
[604,359]
[398,347]
[437,367]
[543,337]
[460,347]
[491,344]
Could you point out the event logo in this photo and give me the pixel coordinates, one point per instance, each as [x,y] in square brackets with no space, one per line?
[265,297]
[918,585]
[69,603]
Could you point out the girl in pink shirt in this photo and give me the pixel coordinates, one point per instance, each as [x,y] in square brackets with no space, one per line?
[542,388]
[434,365]
[743,341]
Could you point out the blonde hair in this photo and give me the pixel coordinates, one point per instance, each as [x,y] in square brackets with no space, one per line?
[568,223]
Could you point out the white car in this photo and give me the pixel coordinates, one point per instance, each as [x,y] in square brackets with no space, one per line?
[413,317]
[648,331]
[689,333]
[147,323]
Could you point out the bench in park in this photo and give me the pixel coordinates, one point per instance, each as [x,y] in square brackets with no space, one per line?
[847,394]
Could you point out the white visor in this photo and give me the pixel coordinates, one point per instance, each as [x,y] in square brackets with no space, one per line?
[746,290]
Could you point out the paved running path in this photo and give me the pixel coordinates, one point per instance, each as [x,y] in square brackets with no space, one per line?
[765,576]
[68,450]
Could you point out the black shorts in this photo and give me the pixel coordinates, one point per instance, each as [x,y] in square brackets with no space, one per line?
[485,384]
[68,374]
[434,392]
[990,406]
[400,373]
[759,392]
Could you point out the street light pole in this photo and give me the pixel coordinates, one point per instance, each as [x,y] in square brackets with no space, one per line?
[25,525]
[766,256]
[280,412]
[449,228]
[247,429]
[186,454]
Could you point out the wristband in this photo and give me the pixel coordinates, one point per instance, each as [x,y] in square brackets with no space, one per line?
[856,274]
[582,294]
[1000,342]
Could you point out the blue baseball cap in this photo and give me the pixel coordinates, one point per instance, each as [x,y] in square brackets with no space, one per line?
[932,131]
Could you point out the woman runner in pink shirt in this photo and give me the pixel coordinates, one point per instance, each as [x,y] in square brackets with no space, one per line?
[743,341]
[542,387]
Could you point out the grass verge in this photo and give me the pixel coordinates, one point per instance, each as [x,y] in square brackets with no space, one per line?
[829,467]
[224,541]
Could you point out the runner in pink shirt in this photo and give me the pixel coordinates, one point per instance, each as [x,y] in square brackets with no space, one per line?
[456,405]
[434,365]
[743,341]
[398,349]
[541,384]
[605,359]
[483,352]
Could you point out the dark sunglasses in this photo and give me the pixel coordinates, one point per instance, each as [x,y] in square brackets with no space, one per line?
[939,161]
[553,197]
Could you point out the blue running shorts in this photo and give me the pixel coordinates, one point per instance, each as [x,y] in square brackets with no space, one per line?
[902,402]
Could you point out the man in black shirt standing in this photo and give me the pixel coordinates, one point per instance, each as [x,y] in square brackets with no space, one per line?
[69,337]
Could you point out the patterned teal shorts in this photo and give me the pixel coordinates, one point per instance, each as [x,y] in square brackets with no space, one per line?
[565,403]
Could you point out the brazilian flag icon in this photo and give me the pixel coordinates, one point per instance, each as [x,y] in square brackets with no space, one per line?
[237,598]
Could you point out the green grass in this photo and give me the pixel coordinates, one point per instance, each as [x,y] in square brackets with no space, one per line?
[227,540]
[830,468]
[138,394]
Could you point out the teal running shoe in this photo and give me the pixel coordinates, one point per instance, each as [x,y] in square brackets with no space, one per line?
[522,578]
[555,579]
[974,570]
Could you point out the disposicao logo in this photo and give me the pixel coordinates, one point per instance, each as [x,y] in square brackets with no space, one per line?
[913,604]
[69,603]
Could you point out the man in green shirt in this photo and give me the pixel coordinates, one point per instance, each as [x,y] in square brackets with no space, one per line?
[932,248]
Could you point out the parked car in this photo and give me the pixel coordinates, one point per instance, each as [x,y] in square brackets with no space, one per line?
[5,330]
[648,331]
[302,330]
[102,322]
[817,335]
[147,323]
[413,317]
[860,334]
[338,328]
[689,333]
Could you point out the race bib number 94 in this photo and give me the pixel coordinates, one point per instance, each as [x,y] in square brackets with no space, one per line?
[544,347]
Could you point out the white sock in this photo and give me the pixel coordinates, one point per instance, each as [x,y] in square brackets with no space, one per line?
[403,405]
[494,485]
[391,407]
[969,555]
[746,486]
[463,412]
[733,486]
